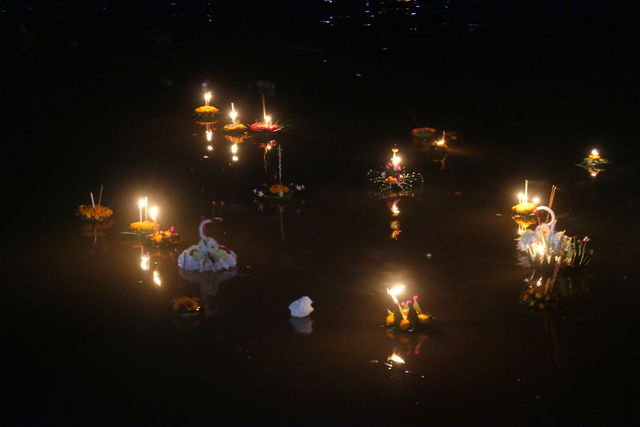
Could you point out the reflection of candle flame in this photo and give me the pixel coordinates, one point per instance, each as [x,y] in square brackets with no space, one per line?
[234,148]
[156,278]
[395,211]
[209,135]
[144,262]
[395,358]
[210,147]
[234,158]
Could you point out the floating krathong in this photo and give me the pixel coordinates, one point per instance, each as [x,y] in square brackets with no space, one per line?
[426,132]
[235,126]
[95,212]
[406,315]
[207,110]
[539,294]
[143,226]
[441,143]
[186,306]
[524,212]
[164,238]
[207,255]
[548,248]
[277,191]
[267,125]
[394,177]
[594,163]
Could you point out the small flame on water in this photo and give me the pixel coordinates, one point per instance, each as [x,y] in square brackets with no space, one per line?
[396,359]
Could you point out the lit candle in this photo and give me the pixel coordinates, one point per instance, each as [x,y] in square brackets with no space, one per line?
[267,121]
[395,159]
[153,213]
[141,204]
[207,98]
[393,292]
[536,200]
[595,155]
[394,208]
[233,114]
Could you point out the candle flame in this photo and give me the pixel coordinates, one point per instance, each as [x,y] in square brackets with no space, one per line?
[142,203]
[536,200]
[207,98]
[595,152]
[396,358]
[395,211]
[267,119]
[395,290]
[522,197]
[153,213]
[233,114]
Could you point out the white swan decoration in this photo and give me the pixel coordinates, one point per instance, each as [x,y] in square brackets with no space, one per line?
[207,255]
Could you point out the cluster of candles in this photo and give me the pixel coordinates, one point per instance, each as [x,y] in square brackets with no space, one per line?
[267,124]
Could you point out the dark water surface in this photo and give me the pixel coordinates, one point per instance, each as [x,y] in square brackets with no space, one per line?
[91,337]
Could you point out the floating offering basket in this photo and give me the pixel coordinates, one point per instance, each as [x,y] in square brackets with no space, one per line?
[165,238]
[407,316]
[186,306]
[394,177]
[207,255]
[547,247]
[594,163]
[95,212]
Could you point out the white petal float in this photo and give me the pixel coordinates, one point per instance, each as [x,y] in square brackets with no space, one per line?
[301,307]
